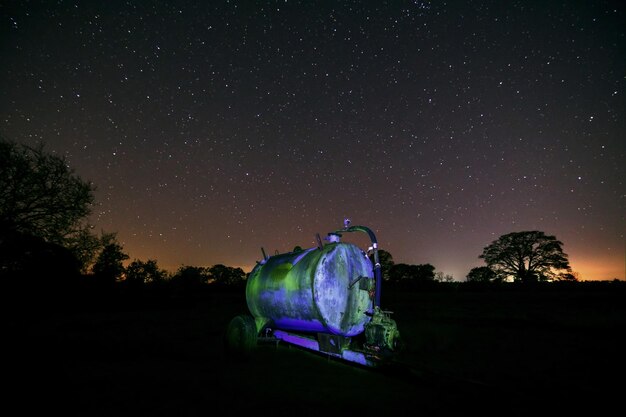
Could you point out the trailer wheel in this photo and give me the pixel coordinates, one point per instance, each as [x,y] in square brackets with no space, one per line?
[398,344]
[241,336]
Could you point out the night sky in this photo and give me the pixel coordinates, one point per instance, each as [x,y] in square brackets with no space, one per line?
[213,129]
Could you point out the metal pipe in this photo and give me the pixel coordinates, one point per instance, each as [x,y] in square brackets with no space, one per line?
[377,268]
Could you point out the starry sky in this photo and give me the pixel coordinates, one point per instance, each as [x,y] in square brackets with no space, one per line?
[214,129]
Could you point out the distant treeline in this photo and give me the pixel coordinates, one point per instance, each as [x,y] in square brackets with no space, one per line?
[47,243]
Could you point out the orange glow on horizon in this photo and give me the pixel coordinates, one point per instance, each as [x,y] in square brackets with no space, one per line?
[599,270]
[586,269]
[588,266]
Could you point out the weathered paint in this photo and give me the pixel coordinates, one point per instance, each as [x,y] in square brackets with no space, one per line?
[310,290]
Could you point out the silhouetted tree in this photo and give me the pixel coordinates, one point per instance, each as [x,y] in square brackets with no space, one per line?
[188,277]
[568,276]
[405,273]
[85,246]
[425,272]
[30,263]
[481,274]
[386,262]
[40,195]
[528,256]
[443,277]
[140,273]
[399,272]
[226,275]
[109,266]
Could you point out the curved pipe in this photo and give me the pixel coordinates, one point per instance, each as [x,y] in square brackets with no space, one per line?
[377,269]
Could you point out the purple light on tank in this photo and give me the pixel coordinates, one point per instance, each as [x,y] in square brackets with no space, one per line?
[356,357]
[297,340]
[325,290]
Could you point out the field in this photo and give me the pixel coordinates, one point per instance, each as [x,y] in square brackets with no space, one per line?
[467,352]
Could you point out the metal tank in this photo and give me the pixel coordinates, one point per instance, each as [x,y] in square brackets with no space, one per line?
[325,299]
[321,289]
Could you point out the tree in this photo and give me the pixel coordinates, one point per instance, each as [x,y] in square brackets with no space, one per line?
[29,262]
[139,273]
[85,246]
[40,195]
[481,274]
[441,277]
[386,262]
[425,272]
[189,278]
[226,275]
[404,273]
[527,256]
[109,266]
[569,276]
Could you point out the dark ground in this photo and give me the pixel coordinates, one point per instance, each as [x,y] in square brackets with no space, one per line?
[484,352]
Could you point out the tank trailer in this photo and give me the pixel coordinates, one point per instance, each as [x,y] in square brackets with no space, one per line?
[325,299]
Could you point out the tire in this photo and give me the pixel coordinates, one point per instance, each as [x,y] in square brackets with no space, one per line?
[398,344]
[241,336]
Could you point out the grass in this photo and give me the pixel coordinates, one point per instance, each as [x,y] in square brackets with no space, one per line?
[471,352]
